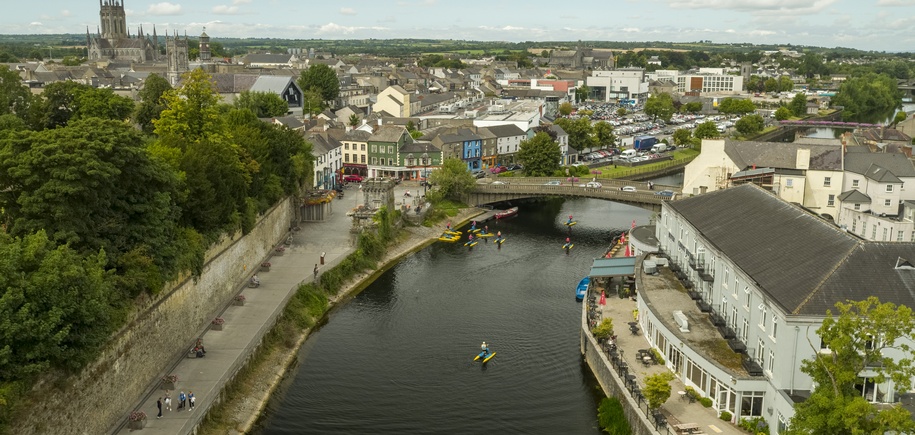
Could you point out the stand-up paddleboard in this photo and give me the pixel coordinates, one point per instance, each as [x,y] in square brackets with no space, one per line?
[471,243]
[453,233]
[571,224]
[485,235]
[499,241]
[568,246]
[486,359]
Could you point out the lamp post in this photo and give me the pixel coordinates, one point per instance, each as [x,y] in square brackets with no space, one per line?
[425,171]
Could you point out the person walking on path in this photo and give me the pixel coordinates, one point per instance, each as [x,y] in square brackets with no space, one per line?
[191,400]
[316,272]
[181,400]
[168,401]
[159,405]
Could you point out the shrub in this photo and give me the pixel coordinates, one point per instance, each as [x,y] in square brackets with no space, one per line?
[611,417]
[657,356]
[691,391]
[218,321]
[170,378]
[137,416]
[604,330]
[240,298]
[706,402]
[726,416]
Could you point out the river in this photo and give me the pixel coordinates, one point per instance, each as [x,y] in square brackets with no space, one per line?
[397,358]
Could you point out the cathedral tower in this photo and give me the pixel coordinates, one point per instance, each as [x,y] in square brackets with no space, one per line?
[204,46]
[114,19]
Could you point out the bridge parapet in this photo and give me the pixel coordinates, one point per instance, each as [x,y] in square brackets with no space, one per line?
[489,193]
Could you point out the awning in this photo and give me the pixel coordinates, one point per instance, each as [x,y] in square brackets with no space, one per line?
[609,267]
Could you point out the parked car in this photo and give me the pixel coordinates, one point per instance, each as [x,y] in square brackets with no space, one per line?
[498,182]
[515,167]
[479,174]
[498,169]
[628,189]
[667,193]
[353,178]
[553,183]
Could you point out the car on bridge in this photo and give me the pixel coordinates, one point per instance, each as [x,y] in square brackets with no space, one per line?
[553,183]
[592,184]
[498,182]
[666,193]
[628,189]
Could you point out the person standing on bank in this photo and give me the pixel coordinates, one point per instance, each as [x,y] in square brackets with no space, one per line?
[182,399]
[168,401]
[159,405]
[192,400]
[316,272]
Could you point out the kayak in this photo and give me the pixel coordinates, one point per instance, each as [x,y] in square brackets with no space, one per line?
[449,239]
[453,233]
[471,243]
[486,359]
[485,235]
[507,213]
[499,241]
[571,224]
[568,246]
[475,230]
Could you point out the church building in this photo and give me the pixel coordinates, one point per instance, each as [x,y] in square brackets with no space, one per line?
[114,42]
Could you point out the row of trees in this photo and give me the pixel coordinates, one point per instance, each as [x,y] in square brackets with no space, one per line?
[103,201]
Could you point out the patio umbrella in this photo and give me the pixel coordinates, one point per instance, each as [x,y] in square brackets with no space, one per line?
[628,252]
[603,298]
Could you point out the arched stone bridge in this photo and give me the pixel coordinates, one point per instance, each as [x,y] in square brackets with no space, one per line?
[509,188]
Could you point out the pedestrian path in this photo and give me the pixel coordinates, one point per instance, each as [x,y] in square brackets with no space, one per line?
[244,326]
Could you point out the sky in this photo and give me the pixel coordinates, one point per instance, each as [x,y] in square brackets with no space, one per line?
[881,25]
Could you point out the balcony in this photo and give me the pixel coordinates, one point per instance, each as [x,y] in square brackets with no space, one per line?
[707,275]
[752,367]
[726,332]
[704,306]
[737,345]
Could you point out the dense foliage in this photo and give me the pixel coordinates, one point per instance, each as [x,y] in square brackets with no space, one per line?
[453,181]
[612,418]
[540,155]
[867,94]
[322,79]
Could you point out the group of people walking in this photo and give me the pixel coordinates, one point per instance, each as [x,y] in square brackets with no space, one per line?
[185,401]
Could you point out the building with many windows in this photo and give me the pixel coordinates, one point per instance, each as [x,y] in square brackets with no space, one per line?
[755,276]
[703,81]
[355,153]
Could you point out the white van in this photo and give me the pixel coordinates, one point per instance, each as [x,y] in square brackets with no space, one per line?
[628,154]
[659,148]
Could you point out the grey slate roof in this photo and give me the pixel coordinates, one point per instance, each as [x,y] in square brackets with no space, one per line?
[803,263]
[228,83]
[388,133]
[898,164]
[267,58]
[273,84]
[881,175]
[855,196]
[782,155]
[507,130]
[420,147]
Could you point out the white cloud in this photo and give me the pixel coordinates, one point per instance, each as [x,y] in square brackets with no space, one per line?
[333,28]
[347,11]
[164,8]
[225,10]
[758,6]
[895,2]
[65,13]
[36,23]
[241,2]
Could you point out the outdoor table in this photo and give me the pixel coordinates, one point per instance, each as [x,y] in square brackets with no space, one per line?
[682,395]
[686,427]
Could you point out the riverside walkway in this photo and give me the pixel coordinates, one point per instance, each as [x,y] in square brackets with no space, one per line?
[228,349]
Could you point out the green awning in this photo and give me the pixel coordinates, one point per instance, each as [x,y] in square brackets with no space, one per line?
[616,266]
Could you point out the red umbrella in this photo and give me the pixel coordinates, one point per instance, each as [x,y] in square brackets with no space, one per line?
[628,252]
[603,298]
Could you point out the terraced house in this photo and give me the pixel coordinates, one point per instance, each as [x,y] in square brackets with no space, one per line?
[464,144]
[384,151]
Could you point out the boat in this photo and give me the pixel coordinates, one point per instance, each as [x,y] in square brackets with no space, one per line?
[582,288]
[483,357]
[449,239]
[507,213]
[475,230]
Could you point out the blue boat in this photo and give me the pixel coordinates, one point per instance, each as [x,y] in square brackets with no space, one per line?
[582,288]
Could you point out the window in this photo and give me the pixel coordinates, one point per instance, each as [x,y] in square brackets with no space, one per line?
[726,272]
[747,296]
[733,321]
[762,318]
[363,147]
[745,330]
[884,234]
[374,148]
[889,188]
[831,201]
[827,181]
[899,236]
[774,328]
[887,202]
[346,146]
[854,226]
[857,206]
[874,233]
[854,183]
[390,149]
[863,229]
[760,350]
[362,158]
[770,363]
[752,404]
[374,160]
[782,423]
[346,158]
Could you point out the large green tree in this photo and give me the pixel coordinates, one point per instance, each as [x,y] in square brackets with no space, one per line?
[737,106]
[92,185]
[151,104]
[540,155]
[868,95]
[657,389]
[706,130]
[750,124]
[682,136]
[581,93]
[14,96]
[323,79]
[452,181]
[660,106]
[192,111]
[782,113]
[862,338]
[263,104]
[580,132]
[603,134]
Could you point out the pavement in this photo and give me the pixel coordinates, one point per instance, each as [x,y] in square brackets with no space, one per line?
[228,349]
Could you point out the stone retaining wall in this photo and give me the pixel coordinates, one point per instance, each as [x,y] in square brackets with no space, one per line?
[158,334]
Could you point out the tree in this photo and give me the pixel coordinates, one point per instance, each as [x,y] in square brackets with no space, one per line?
[706,130]
[579,131]
[603,134]
[783,113]
[867,96]
[660,106]
[91,185]
[657,389]
[682,136]
[323,79]
[192,111]
[582,93]
[785,84]
[101,103]
[540,155]
[55,306]
[354,120]
[862,338]
[263,104]
[312,104]
[798,105]
[771,85]
[900,116]
[565,109]
[612,418]
[453,180]
[151,104]
[736,106]
[692,107]
[621,111]
[14,96]
[750,124]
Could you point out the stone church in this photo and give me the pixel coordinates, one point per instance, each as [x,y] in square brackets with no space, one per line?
[113,40]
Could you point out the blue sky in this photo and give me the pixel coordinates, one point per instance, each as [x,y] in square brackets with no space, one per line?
[883,25]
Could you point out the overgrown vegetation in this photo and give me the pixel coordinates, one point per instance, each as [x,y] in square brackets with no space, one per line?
[611,417]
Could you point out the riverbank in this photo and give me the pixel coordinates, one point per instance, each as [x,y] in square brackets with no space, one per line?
[249,394]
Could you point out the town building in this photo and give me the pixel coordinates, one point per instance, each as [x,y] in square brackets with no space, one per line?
[113,42]
[761,273]
[618,84]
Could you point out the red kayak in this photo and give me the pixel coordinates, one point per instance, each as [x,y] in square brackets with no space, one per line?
[507,213]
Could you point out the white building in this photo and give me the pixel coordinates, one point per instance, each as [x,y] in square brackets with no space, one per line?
[878,196]
[764,273]
[619,84]
[704,81]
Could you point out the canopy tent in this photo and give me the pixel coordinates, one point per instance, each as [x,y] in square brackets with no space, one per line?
[610,267]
